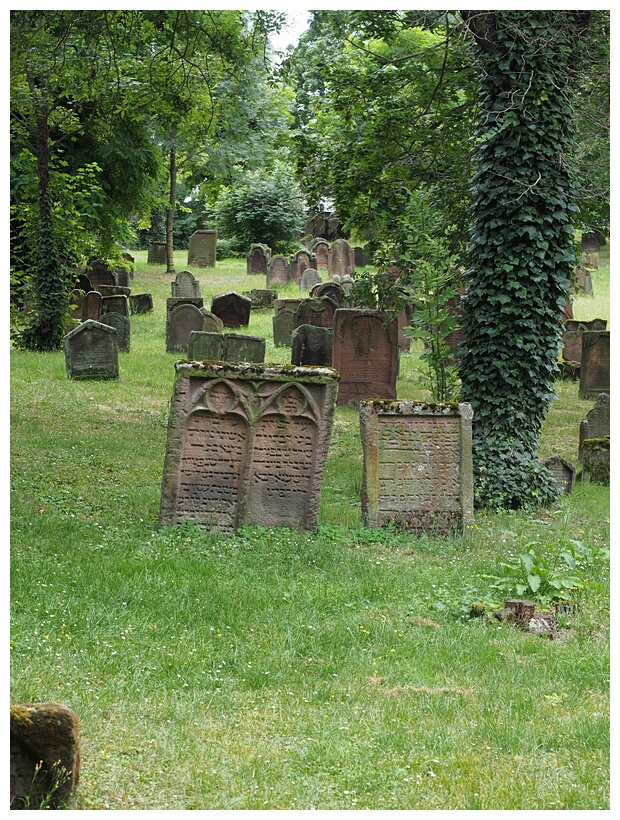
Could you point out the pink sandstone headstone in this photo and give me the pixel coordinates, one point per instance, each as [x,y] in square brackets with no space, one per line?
[417,465]
[594,373]
[572,331]
[320,248]
[182,320]
[341,259]
[278,271]
[299,262]
[258,259]
[201,249]
[247,444]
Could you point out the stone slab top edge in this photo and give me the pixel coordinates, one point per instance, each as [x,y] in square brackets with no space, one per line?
[409,407]
[250,370]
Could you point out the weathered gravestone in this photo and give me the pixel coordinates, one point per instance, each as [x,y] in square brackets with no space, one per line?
[347,285]
[92,306]
[341,259]
[205,346]
[417,465]
[201,249]
[210,322]
[317,311]
[77,300]
[594,373]
[562,472]
[286,304]
[232,308]
[82,282]
[572,331]
[44,755]
[595,461]
[278,271]
[283,326]
[239,347]
[583,281]
[157,254]
[299,262]
[320,248]
[173,301]
[123,276]
[141,303]
[312,346]
[123,329]
[258,259]
[404,321]
[309,278]
[114,290]
[115,304]
[100,274]
[590,260]
[183,318]
[247,444]
[261,297]
[332,289]
[185,284]
[365,354]
[91,351]
[596,424]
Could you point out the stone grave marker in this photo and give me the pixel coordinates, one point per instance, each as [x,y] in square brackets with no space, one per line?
[232,308]
[341,259]
[261,297]
[572,330]
[583,280]
[597,422]
[590,260]
[92,306]
[185,285]
[247,444]
[278,271]
[283,326]
[91,351]
[100,274]
[123,277]
[239,347]
[258,259]
[115,304]
[594,375]
[203,346]
[317,311]
[77,299]
[123,329]
[320,248]
[595,461]
[157,254]
[417,465]
[286,304]
[173,301]
[311,346]
[359,257]
[365,353]
[82,282]
[347,285]
[309,278]
[201,249]
[404,321]
[210,322]
[141,303]
[114,290]
[332,289]
[563,472]
[299,262]
[184,317]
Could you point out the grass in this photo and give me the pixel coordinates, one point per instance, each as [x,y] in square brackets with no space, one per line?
[277,669]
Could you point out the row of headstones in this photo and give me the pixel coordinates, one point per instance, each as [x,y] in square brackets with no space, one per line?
[339,258]
[201,250]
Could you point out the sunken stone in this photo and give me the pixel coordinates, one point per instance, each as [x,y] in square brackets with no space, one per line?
[365,354]
[44,742]
[247,444]
[562,472]
[91,351]
[123,328]
[596,424]
[185,284]
[311,346]
[417,465]
[232,308]
[183,318]
[594,375]
[201,249]
[141,303]
[283,325]
[309,278]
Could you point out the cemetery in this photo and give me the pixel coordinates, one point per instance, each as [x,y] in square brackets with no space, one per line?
[317,519]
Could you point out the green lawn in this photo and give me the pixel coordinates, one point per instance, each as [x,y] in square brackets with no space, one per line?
[277,669]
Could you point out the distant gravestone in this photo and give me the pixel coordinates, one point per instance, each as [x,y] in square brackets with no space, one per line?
[572,331]
[562,472]
[365,354]
[309,278]
[594,374]
[202,346]
[595,461]
[123,329]
[247,444]
[77,299]
[341,259]
[583,281]
[347,285]
[597,422]
[99,275]
[332,289]
[417,466]
[404,321]
[114,290]
[92,306]
[261,297]
[183,318]
[258,259]
[157,254]
[283,325]
[210,322]
[320,248]
[591,241]
[232,308]
[141,303]
[590,260]
[91,351]
[185,284]
[201,249]
[299,262]
[311,346]
[115,304]
[278,271]
[123,276]
[317,311]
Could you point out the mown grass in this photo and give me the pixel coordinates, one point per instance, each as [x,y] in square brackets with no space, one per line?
[277,669]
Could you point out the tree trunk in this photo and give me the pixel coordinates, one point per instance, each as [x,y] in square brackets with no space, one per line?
[170,214]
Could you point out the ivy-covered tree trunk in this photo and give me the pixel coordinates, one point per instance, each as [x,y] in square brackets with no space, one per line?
[522,243]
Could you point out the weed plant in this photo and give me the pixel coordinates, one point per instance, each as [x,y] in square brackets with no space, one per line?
[292,670]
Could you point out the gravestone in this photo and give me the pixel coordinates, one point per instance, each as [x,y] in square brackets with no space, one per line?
[247,444]
[317,311]
[44,755]
[286,304]
[115,304]
[583,280]
[365,354]
[283,326]
[417,466]
[278,271]
[596,424]
[123,276]
[232,308]
[114,290]
[123,328]
[572,331]
[595,461]
[590,260]
[141,303]
[311,346]
[183,318]
[77,299]
[239,347]
[157,254]
[341,260]
[100,274]
[258,259]
[202,346]
[347,285]
[92,306]
[185,285]
[320,248]
[82,282]
[309,278]
[201,249]
[595,361]
[210,322]
[261,297]
[173,301]
[563,473]
[299,262]
[359,257]
[91,351]
[336,278]
[332,289]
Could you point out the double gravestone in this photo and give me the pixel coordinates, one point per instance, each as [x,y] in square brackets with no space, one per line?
[232,308]
[91,351]
[594,372]
[247,444]
[417,465]
[300,262]
[201,249]
[572,333]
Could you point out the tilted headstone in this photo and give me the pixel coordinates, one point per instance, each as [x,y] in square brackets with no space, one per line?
[365,354]
[204,346]
[185,284]
[77,299]
[261,297]
[572,330]
[247,444]
[92,306]
[182,320]
[299,262]
[309,278]
[594,374]
[332,289]
[232,308]
[201,249]
[283,326]
[91,351]
[417,465]
[311,346]
[45,755]
[115,304]
[157,253]
[141,303]
[123,328]
[210,322]
[317,311]
[258,259]
[278,271]
[596,424]
[595,461]
[562,472]
[341,259]
[320,248]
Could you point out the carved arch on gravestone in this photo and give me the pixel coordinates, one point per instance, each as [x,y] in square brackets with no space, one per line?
[220,396]
[273,402]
